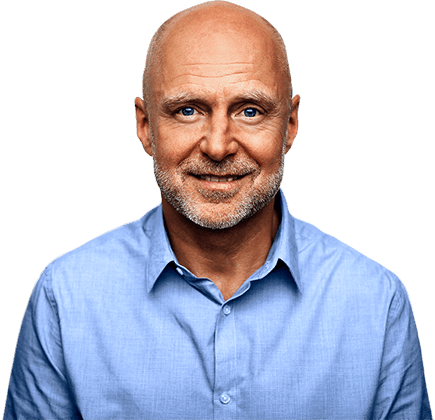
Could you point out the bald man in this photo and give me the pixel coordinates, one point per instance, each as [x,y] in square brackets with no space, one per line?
[218,304]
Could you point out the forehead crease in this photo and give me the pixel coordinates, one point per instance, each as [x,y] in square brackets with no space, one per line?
[218,68]
[233,88]
[213,76]
[170,102]
[224,63]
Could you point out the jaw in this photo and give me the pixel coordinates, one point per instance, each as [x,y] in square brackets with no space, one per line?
[222,205]
[217,196]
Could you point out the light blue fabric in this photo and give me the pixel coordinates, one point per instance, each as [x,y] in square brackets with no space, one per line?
[117,329]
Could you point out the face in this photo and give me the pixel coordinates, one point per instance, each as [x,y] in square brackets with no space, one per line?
[218,125]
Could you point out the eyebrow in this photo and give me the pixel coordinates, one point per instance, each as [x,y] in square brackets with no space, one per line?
[255,96]
[171,103]
[258,97]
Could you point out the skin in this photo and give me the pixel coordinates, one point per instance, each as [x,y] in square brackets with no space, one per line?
[219,66]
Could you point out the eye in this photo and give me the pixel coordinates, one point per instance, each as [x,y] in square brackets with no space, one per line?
[250,112]
[187,111]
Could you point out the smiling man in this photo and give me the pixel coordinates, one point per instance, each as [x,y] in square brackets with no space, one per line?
[218,304]
[217,119]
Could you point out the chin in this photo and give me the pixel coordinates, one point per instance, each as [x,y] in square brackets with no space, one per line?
[222,215]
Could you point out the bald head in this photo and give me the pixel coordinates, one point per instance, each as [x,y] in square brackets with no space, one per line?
[200,22]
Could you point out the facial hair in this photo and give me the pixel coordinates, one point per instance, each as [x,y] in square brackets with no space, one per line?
[190,207]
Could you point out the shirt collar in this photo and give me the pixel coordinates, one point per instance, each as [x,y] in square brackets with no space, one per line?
[283,249]
[160,251]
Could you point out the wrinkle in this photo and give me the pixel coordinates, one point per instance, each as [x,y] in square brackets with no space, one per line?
[245,63]
[212,77]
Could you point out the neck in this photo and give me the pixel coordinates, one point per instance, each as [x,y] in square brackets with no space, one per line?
[225,256]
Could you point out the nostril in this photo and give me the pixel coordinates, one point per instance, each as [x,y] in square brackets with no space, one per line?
[218,148]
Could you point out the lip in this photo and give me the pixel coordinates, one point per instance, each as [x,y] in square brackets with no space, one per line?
[219,182]
[219,178]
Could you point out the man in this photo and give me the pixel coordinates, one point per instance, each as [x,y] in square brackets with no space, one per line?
[217,304]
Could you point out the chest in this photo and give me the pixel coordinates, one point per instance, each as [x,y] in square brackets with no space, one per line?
[262,356]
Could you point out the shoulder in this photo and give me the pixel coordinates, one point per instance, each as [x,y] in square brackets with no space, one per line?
[101,262]
[326,262]
[115,244]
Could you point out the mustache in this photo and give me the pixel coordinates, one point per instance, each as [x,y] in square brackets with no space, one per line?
[228,166]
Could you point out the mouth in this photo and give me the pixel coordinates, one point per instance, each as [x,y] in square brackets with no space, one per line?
[214,178]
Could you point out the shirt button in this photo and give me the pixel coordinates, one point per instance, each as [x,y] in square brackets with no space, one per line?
[227,309]
[225,398]
[180,271]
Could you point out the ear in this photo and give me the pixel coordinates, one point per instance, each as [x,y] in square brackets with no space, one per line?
[293,123]
[143,125]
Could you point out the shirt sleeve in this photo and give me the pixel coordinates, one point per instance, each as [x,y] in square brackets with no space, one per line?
[38,387]
[402,390]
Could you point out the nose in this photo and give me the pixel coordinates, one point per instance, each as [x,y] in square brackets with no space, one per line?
[219,142]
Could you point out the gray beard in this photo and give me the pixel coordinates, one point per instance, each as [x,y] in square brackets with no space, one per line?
[250,204]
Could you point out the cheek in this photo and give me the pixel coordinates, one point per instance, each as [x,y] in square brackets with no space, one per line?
[265,147]
[268,135]
[175,143]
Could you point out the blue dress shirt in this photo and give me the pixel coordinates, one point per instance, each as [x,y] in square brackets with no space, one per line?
[117,329]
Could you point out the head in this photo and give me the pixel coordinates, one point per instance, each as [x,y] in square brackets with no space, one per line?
[217,115]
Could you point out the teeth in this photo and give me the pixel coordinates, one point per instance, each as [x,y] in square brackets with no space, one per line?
[217,179]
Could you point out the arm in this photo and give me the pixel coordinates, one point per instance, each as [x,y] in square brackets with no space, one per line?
[402,390]
[38,387]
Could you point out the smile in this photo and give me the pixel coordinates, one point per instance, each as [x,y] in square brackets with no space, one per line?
[219,178]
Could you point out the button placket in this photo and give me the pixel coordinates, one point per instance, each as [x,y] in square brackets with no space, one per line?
[225,364]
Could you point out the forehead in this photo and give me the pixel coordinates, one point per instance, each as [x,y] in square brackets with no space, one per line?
[221,58]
